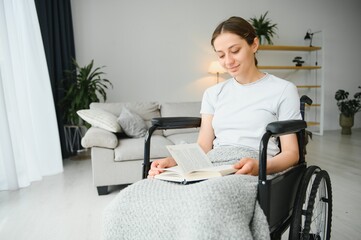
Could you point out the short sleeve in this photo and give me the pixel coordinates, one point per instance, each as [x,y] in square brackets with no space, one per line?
[289,107]
[208,102]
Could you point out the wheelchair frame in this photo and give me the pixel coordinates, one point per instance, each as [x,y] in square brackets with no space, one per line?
[299,199]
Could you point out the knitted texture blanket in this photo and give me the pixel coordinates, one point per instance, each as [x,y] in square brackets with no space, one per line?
[219,208]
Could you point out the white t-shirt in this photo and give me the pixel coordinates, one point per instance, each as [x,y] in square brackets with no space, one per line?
[242,112]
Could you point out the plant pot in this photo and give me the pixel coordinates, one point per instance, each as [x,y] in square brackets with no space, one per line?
[346,124]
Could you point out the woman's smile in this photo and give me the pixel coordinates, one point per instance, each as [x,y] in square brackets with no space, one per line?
[233,69]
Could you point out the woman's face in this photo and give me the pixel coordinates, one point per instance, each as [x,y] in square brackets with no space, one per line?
[234,53]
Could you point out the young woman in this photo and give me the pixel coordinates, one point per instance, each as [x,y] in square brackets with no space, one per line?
[235,113]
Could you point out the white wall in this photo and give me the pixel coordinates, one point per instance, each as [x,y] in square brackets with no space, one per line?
[160,49]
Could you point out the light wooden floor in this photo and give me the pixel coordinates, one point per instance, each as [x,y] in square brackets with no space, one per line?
[66,206]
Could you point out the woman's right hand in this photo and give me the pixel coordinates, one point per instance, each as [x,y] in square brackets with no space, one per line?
[157,165]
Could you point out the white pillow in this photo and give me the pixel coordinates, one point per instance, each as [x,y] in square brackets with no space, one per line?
[101,119]
[132,124]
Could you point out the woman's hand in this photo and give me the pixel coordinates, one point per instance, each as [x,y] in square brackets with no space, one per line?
[157,165]
[248,166]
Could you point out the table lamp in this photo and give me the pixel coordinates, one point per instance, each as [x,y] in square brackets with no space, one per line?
[216,68]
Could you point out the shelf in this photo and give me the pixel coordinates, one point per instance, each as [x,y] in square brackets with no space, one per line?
[314,105]
[308,86]
[290,67]
[310,124]
[288,48]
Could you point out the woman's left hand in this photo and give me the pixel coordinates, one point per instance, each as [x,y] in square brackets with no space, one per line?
[247,166]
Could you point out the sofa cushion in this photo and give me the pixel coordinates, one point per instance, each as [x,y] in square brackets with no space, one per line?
[100,118]
[133,148]
[97,137]
[132,124]
[180,109]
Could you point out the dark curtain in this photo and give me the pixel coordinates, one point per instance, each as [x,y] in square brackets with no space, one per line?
[56,26]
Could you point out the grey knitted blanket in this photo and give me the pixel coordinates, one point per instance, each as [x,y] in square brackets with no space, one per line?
[219,208]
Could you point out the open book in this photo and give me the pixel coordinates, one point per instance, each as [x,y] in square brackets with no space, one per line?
[193,165]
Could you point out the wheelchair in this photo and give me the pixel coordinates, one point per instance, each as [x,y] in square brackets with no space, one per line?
[299,199]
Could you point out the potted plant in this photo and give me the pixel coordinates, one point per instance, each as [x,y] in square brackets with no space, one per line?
[84,86]
[265,29]
[348,108]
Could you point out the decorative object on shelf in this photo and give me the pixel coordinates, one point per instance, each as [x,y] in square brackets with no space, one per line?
[309,36]
[348,108]
[216,68]
[265,29]
[83,86]
[298,60]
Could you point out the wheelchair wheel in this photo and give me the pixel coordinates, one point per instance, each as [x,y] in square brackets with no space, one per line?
[312,212]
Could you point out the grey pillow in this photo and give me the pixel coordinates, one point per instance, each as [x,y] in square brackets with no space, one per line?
[131,123]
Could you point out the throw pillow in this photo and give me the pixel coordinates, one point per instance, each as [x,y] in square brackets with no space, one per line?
[132,124]
[101,119]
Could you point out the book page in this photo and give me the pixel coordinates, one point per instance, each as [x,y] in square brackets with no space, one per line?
[189,157]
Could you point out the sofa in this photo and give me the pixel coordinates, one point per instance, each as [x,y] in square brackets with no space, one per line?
[117,136]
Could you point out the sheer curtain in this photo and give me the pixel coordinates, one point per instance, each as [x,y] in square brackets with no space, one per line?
[29,147]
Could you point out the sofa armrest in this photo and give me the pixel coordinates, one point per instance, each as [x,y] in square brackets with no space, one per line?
[98,137]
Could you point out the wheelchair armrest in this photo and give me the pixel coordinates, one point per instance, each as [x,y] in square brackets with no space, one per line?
[176,122]
[276,129]
[165,123]
[285,127]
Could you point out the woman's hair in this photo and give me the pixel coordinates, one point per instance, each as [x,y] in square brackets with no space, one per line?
[238,26]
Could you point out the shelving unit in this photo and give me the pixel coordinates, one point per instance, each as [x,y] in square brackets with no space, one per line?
[308,78]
